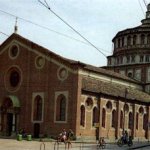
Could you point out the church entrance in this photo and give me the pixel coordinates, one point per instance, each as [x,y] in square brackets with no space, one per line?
[9,116]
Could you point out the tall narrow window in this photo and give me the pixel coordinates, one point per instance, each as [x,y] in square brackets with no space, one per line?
[121,60]
[141,58]
[61,108]
[130,122]
[134,39]
[95,116]
[133,58]
[121,119]
[147,59]
[137,121]
[113,122]
[145,121]
[37,108]
[82,116]
[129,40]
[142,39]
[103,117]
[128,59]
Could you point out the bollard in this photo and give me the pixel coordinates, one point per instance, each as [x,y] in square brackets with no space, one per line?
[19,137]
[42,145]
[56,145]
[29,137]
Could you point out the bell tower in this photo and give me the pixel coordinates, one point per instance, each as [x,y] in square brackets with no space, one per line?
[16,27]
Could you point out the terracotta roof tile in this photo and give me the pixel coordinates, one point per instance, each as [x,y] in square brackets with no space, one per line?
[113,89]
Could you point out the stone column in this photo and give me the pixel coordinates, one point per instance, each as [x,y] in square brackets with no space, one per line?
[0,122]
[100,117]
[133,134]
[138,39]
[148,124]
[118,118]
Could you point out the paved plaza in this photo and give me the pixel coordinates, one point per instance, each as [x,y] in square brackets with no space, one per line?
[12,144]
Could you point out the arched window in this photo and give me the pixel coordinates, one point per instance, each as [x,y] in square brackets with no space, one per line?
[141,58]
[145,121]
[142,39]
[113,122]
[121,119]
[129,40]
[126,108]
[147,59]
[37,108]
[103,117]
[137,121]
[130,122]
[61,108]
[95,116]
[82,116]
[134,39]
[130,75]
[128,59]
[141,110]
[133,58]
[109,106]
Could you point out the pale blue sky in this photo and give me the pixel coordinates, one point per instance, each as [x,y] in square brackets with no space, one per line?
[97,20]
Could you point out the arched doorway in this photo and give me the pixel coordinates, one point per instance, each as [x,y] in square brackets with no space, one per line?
[8,116]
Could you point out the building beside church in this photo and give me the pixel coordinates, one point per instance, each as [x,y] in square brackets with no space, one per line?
[44,93]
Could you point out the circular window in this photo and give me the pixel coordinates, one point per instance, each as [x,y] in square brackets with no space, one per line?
[141,110]
[14,51]
[40,62]
[126,108]
[109,106]
[62,73]
[13,79]
[130,75]
[89,103]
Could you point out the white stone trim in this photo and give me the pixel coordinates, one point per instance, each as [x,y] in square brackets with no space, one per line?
[48,58]
[10,47]
[81,71]
[21,78]
[58,73]
[36,59]
[34,94]
[66,94]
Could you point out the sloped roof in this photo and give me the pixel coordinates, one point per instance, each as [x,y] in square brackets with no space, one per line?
[113,89]
[66,61]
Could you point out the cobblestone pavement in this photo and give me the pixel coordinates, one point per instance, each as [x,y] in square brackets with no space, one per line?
[11,144]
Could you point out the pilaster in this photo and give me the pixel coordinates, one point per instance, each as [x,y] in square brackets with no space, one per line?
[148,124]
[118,122]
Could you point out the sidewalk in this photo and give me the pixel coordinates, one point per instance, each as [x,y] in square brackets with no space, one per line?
[139,145]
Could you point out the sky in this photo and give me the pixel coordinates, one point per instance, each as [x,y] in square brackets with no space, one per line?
[96,20]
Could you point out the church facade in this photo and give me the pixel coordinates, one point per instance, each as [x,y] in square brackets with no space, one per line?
[43,93]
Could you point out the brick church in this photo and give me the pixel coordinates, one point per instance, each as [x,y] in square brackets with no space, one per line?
[44,93]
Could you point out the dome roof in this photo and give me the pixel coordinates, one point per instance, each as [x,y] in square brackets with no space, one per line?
[144,27]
